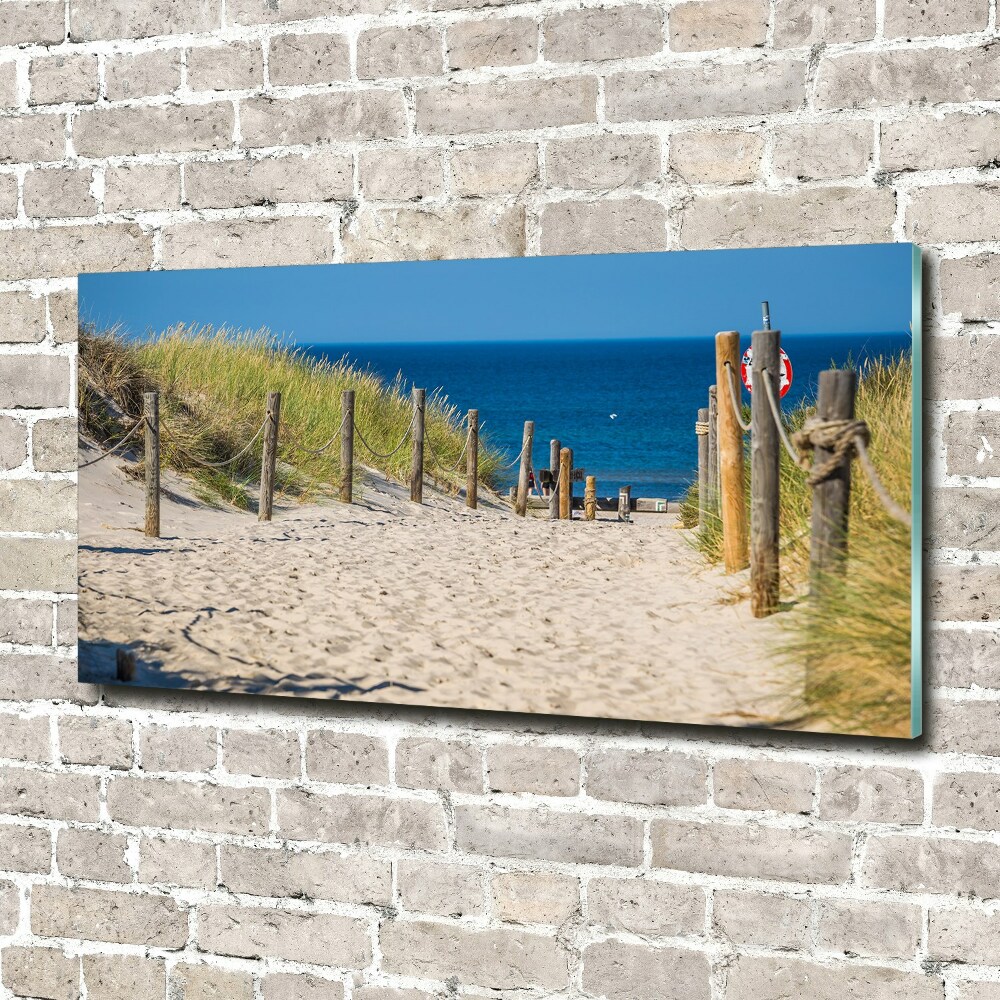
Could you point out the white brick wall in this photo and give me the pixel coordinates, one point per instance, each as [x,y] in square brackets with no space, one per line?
[157,844]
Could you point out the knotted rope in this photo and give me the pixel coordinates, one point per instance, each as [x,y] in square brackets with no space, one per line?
[836,436]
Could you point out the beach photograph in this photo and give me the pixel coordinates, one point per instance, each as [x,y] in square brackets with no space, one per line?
[662,487]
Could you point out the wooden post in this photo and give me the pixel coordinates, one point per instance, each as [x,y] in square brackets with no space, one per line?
[570,487]
[124,664]
[625,504]
[831,499]
[732,488]
[521,507]
[590,499]
[151,434]
[702,431]
[269,458]
[472,462]
[554,450]
[417,466]
[347,445]
[764,463]
[713,448]
[565,467]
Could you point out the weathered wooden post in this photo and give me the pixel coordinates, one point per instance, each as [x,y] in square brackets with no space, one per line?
[569,488]
[151,434]
[832,497]
[701,430]
[625,504]
[713,448]
[472,462]
[565,497]
[590,499]
[764,464]
[125,664]
[521,507]
[554,449]
[347,445]
[732,488]
[269,458]
[417,465]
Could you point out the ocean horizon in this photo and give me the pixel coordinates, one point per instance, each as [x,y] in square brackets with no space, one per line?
[627,407]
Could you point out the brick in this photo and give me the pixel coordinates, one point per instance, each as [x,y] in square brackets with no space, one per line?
[169,129]
[967,801]
[871,795]
[971,286]
[930,142]
[9,97]
[401,174]
[142,187]
[66,623]
[13,443]
[95,740]
[67,250]
[37,563]
[963,593]
[647,907]
[234,66]
[298,986]
[183,805]
[620,970]
[960,727]
[63,79]
[956,658]
[60,193]
[348,877]
[142,74]
[30,676]
[41,973]
[63,317]
[536,770]
[448,765]
[93,854]
[48,795]
[783,786]
[293,935]
[99,915]
[937,865]
[810,22]
[762,919]
[921,18]
[962,934]
[485,170]
[508,41]
[972,443]
[91,19]
[411,50]
[391,993]
[959,367]
[627,225]
[25,849]
[410,824]
[465,231]
[447,890]
[907,76]
[960,518]
[24,318]
[869,928]
[766,978]
[708,91]
[347,758]
[296,60]
[33,138]
[976,991]
[8,196]
[248,243]
[655,778]
[603,161]
[958,213]
[10,908]
[123,977]
[178,748]
[167,861]
[548,836]
[823,152]
[752,851]
[206,982]
[264,12]
[718,24]
[27,22]
[535,897]
[596,34]
[750,219]
[268,753]
[516,959]
[506,104]
[24,737]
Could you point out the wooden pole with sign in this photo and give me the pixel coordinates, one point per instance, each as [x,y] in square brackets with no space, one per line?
[764,485]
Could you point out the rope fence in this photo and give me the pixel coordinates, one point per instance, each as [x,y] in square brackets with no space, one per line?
[141,422]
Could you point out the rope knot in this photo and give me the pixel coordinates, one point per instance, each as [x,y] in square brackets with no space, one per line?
[836,436]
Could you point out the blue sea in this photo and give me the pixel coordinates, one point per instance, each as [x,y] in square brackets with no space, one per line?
[571,389]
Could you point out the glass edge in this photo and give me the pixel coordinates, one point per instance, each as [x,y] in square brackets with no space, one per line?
[916,535]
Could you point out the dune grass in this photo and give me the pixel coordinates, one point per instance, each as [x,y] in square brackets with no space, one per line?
[213,386]
[854,638]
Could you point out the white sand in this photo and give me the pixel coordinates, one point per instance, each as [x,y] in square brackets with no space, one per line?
[385,601]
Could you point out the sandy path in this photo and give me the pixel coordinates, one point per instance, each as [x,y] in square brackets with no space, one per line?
[384,601]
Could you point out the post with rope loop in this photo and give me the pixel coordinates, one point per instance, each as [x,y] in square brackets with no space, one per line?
[472,462]
[764,479]
[554,449]
[713,449]
[417,465]
[732,489]
[347,445]
[151,433]
[565,473]
[832,496]
[269,458]
[701,431]
[521,506]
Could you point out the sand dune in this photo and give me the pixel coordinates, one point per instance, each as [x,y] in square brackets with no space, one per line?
[386,601]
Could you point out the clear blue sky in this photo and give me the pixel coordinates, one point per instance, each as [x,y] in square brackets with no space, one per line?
[854,289]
